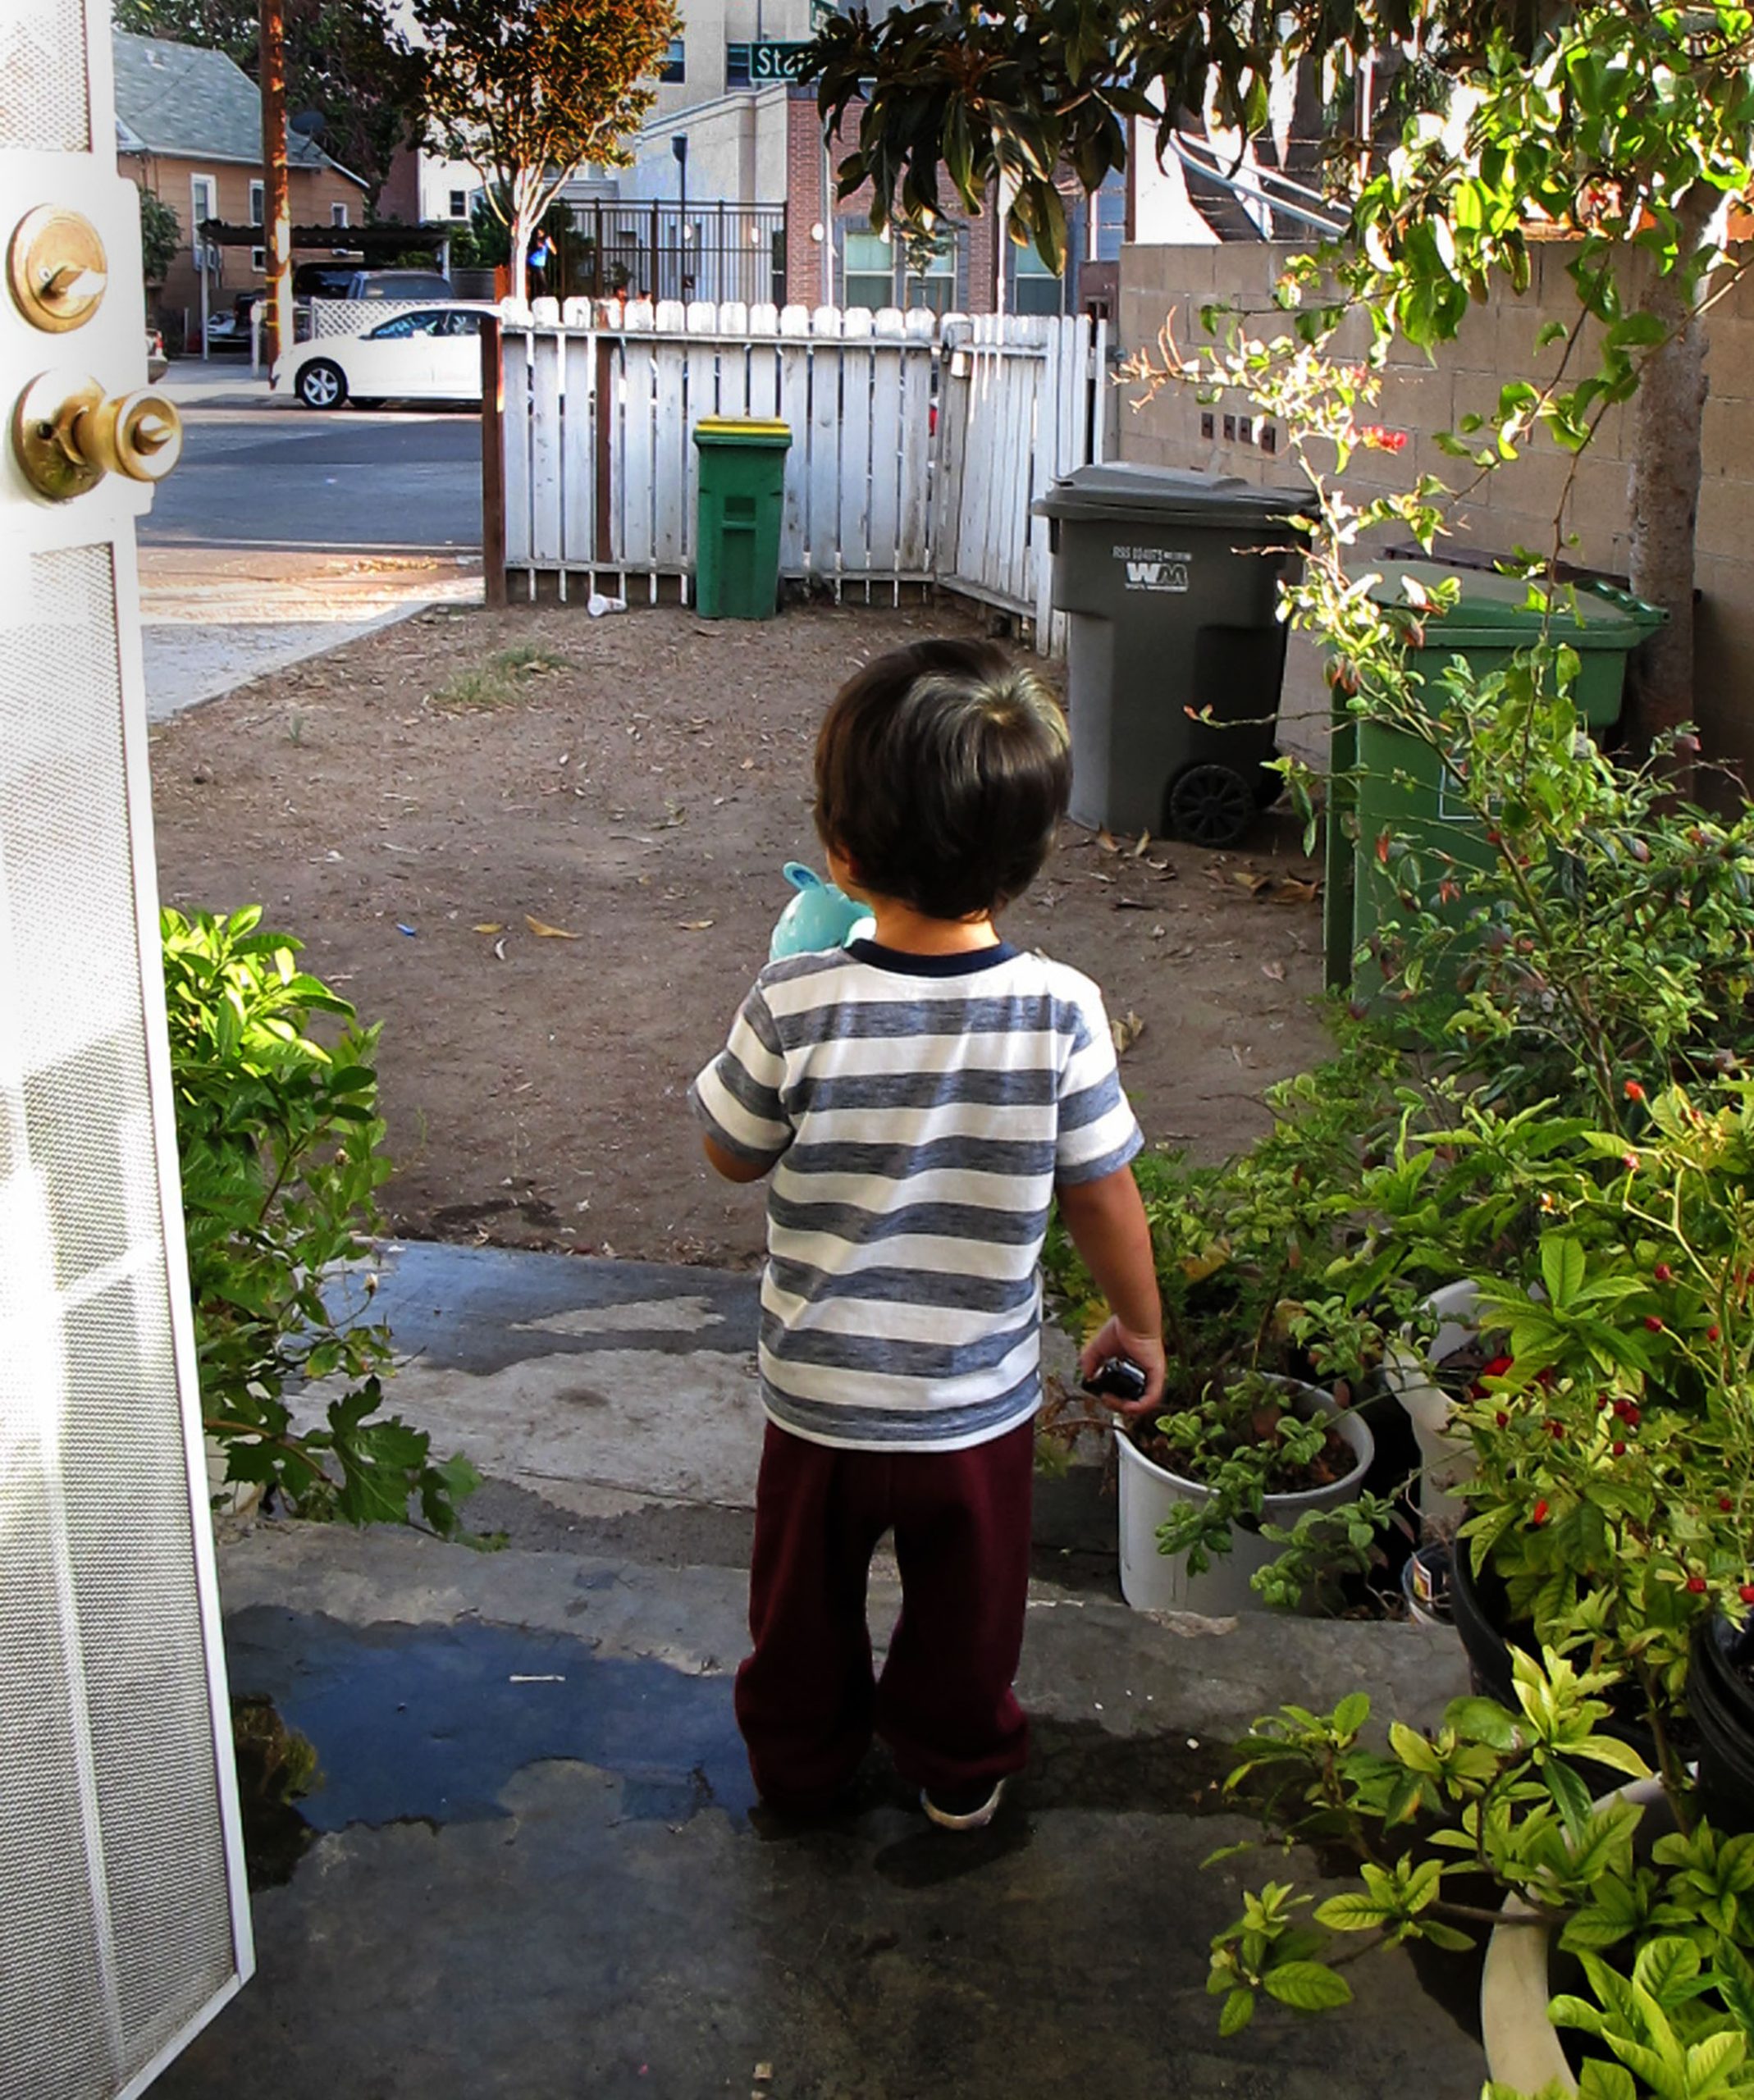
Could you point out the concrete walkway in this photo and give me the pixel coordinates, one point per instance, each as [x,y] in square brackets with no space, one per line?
[533,1866]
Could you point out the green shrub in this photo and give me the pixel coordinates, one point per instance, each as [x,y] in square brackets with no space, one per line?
[280,1141]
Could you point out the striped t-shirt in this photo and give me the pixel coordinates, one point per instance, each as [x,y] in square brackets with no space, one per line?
[920,1109]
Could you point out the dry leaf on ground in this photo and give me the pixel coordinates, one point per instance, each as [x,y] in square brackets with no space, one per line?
[1276,970]
[1125,1028]
[1106,842]
[694,925]
[546,933]
[490,926]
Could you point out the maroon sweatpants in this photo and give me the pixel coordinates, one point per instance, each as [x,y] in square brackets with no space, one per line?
[806,1701]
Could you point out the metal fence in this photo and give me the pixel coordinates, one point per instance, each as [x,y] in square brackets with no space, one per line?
[673,251]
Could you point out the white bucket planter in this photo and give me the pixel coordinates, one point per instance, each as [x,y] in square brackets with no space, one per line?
[1151,1581]
[1523,2048]
[1447,1462]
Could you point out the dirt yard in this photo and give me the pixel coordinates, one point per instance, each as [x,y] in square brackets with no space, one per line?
[433,808]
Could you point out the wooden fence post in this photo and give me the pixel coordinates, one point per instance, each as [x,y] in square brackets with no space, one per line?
[492,462]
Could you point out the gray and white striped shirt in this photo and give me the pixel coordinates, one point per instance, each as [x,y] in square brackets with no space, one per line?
[920,1109]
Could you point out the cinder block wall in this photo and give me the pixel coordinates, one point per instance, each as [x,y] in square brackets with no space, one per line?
[1516,504]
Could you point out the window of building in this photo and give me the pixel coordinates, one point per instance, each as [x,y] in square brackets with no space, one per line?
[338,215]
[737,66]
[204,201]
[1034,288]
[674,70]
[935,286]
[460,204]
[258,192]
[259,261]
[1108,223]
[867,272]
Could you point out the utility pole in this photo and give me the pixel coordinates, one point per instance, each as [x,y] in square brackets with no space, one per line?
[277,209]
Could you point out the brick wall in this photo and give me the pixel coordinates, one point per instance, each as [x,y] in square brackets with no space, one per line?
[808,204]
[1517,505]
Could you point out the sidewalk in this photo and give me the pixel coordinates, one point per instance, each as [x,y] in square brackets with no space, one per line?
[532,1867]
[214,620]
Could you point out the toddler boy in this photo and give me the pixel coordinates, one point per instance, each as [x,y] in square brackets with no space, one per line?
[919,1098]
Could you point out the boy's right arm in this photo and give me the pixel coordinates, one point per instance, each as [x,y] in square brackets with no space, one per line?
[1107,1221]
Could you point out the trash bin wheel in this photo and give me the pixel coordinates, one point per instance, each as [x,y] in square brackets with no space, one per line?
[1211,804]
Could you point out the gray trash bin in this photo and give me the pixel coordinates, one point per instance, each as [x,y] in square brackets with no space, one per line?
[1169,580]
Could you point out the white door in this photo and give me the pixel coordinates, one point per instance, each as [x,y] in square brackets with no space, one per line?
[123,1918]
[457,357]
[396,361]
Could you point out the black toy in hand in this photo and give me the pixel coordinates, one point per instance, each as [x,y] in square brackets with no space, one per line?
[1117,1378]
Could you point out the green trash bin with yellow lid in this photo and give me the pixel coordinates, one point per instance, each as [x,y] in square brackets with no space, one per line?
[742,491]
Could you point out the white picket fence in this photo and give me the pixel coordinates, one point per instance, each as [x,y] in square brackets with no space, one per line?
[918,445]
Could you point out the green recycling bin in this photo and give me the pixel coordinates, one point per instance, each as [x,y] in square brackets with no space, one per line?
[736,543]
[1175,648]
[1382,780]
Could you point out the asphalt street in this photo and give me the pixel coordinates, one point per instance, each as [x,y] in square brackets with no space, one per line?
[256,474]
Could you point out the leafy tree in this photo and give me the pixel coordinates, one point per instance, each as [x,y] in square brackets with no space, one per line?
[161,236]
[342,60]
[528,91]
[1630,126]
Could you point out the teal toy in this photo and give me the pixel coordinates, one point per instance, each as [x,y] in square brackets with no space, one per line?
[821,915]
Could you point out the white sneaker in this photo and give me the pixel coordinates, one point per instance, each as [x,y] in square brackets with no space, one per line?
[966,1809]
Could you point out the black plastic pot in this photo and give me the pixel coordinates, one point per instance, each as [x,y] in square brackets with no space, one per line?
[1720,1698]
[1479,1607]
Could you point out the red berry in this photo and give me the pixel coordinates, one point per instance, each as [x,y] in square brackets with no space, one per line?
[1696,1585]
[1746,1593]
[1497,1368]
[1632,1417]
[1538,1514]
[1653,1323]
[1725,1504]
[1503,1420]
[1556,1430]
[1619,1448]
[1711,1333]
[1634,1092]
[1663,1273]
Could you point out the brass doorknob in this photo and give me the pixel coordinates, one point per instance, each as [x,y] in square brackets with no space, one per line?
[68,434]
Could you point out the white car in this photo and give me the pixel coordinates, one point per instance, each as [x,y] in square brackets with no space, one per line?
[429,353]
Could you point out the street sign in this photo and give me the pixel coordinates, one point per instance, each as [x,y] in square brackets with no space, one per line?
[776,62]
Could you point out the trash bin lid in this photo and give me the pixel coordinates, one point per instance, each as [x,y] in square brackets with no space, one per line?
[1122,490]
[742,430]
[1493,610]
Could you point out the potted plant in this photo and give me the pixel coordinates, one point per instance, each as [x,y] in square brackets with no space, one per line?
[1249,1487]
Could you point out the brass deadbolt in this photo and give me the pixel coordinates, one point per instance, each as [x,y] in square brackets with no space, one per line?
[57,268]
[68,435]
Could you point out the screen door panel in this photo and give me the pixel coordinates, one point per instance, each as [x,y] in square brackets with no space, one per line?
[123,1923]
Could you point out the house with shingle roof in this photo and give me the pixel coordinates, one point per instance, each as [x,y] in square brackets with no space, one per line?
[189,128]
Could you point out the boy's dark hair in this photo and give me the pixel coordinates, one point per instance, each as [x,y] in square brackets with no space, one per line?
[941,771]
